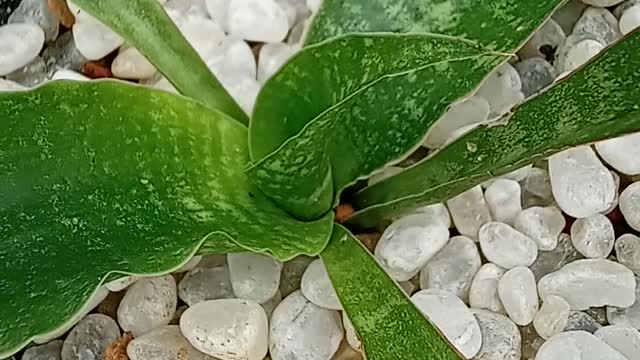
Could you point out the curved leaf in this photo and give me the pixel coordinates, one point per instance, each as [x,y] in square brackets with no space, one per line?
[145,25]
[600,100]
[101,177]
[497,24]
[375,97]
[386,321]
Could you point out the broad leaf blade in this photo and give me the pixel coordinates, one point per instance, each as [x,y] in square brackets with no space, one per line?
[497,24]
[100,177]
[145,25]
[386,321]
[600,100]
[375,97]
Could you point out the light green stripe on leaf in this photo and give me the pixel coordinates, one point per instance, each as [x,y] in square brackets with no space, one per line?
[600,100]
[102,176]
[146,26]
[388,324]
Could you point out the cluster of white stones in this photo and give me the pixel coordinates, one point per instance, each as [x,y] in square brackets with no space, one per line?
[525,266]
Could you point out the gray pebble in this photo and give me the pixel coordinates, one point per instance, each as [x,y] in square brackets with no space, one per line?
[536,73]
[48,351]
[599,22]
[37,12]
[90,338]
[579,320]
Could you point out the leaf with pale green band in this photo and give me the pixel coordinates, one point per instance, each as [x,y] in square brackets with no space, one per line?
[100,177]
[497,24]
[388,324]
[600,100]
[146,26]
[375,96]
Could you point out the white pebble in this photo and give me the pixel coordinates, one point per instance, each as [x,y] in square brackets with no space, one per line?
[218,10]
[618,152]
[449,314]
[538,183]
[66,74]
[8,85]
[627,315]
[165,343]
[254,276]
[502,89]
[228,329]
[469,211]
[578,345]
[473,110]
[518,294]
[501,339]
[303,331]
[506,247]
[590,283]
[453,268]
[630,205]
[314,5]
[483,293]
[317,288]
[542,224]
[257,20]
[350,331]
[233,59]
[200,284]
[148,304]
[581,185]
[131,64]
[624,339]
[628,252]
[408,243]
[120,284]
[553,317]
[203,34]
[272,58]
[21,43]
[94,39]
[503,197]
[435,213]
[581,53]
[593,236]
[244,91]
[630,19]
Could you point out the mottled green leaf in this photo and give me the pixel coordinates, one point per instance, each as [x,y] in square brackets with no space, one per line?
[600,100]
[371,101]
[101,177]
[496,24]
[386,321]
[145,25]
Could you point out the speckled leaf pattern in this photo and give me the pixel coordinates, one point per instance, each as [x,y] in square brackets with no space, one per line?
[600,100]
[372,101]
[388,324]
[102,176]
[497,24]
[145,25]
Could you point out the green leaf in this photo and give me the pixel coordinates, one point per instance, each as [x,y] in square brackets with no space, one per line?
[600,100]
[372,101]
[146,26]
[496,24]
[386,321]
[101,177]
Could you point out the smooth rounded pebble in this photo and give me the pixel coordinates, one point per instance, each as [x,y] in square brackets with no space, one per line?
[201,284]
[254,276]
[148,304]
[165,343]
[619,152]
[350,332]
[19,44]
[553,317]
[483,293]
[131,64]
[228,329]
[90,338]
[518,294]
[506,247]
[121,284]
[550,35]
[502,88]
[257,20]
[501,339]
[593,236]
[628,252]
[48,351]
[303,331]
[579,345]
[452,268]
[503,197]
[581,185]
[630,205]
[94,39]
[469,211]
[624,339]
[408,243]
[317,287]
[542,224]
[435,213]
[272,57]
[590,283]
[449,314]
[630,19]
[473,110]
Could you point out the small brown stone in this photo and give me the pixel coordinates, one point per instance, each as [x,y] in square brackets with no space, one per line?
[344,212]
[118,350]
[97,70]
[369,240]
[61,10]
